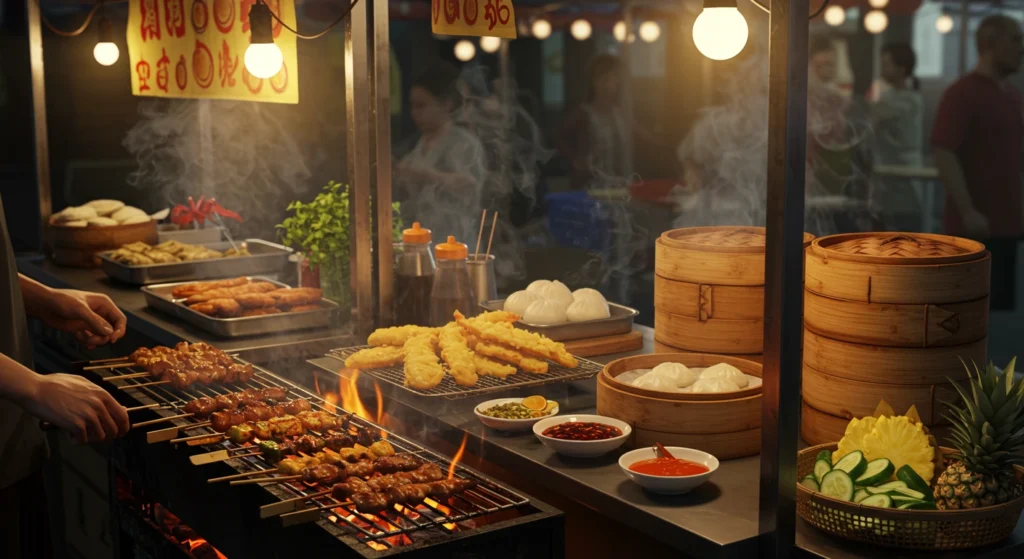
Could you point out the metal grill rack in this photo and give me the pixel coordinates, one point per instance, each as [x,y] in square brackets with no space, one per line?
[396,527]
[556,373]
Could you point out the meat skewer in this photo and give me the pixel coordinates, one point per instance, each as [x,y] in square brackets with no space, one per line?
[374,503]
[327,468]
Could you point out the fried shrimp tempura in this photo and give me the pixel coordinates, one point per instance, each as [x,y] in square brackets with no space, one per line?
[397,335]
[375,357]
[488,367]
[422,369]
[458,356]
[507,355]
[521,340]
[498,316]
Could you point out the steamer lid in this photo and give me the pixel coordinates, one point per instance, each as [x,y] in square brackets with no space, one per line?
[901,248]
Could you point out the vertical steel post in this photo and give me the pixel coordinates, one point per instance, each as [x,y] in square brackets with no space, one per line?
[784,267]
[35,45]
[380,50]
[357,119]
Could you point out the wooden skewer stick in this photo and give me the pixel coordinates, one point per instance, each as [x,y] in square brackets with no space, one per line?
[161,420]
[289,505]
[218,456]
[310,514]
[106,366]
[217,436]
[146,407]
[144,384]
[480,235]
[491,240]
[239,476]
[107,359]
[265,480]
[126,377]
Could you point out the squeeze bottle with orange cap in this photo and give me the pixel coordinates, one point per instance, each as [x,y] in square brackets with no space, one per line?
[414,277]
[452,289]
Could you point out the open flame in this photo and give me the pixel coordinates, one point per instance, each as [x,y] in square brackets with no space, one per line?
[196,543]
[458,456]
[350,400]
[330,399]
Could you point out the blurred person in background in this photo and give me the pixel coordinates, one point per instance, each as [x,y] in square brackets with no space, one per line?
[977,141]
[827,144]
[439,182]
[897,119]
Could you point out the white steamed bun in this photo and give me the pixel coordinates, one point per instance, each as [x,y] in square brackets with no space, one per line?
[557,291]
[587,309]
[588,293]
[651,381]
[544,312]
[710,385]
[727,372]
[519,301]
[538,286]
[678,373]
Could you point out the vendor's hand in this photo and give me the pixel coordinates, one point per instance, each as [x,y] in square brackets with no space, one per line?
[92,317]
[77,406]
[976,224]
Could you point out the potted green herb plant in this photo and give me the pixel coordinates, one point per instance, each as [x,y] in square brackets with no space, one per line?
[320,231]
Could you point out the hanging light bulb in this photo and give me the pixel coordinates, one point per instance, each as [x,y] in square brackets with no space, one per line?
[541,29]
[490,44]
[649,31]
[263,59]
[619,31]
[835,15]
[464,50]
[580,29]
[876,21]
[720,32]
[944,24]
[106,52]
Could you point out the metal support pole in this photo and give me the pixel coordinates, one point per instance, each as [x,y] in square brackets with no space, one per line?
[965,24]
[35,42]
[357,130]
[784,270]
[380,51]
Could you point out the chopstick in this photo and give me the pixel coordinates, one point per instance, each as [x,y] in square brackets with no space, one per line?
[494,222]
[480,235]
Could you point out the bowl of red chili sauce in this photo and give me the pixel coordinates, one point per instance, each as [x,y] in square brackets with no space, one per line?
[582,435]
[687,469]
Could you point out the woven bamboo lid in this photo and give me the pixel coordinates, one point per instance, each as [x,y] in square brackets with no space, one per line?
[732,255]
[899,248]
[720,239]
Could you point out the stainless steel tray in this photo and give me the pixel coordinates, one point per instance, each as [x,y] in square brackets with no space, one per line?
[265,258]
[159,297]
[620,322]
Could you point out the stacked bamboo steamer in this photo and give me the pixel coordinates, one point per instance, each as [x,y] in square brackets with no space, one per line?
[709,290]
[889,316]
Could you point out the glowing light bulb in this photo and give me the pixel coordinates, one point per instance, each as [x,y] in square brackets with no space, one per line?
[720,33]
[490,44]
[879,4]
[541,29]
[649,31]
[835,15]
[876,21]
[464,50]
[619,31]
[580,29]
[263,59]
[106,53]
[944,24]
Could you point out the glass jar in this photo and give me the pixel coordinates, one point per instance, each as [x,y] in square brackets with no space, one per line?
[452,290]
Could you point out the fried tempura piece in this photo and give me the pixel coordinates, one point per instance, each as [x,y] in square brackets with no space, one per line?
[254,300]
[397,335]
[232,292]
[508,355]
[422,369]
[457,355]
[226,308]
[304,308]
[190,289]
[375,357]
[488,367]
[260,312]
[521,340]
[498,316]
[296,297]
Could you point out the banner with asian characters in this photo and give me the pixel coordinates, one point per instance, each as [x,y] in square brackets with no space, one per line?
[478,18]
[196,49]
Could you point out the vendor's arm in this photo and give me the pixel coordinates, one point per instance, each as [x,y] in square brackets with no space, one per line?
[70,402]
[949,133]
[92,317]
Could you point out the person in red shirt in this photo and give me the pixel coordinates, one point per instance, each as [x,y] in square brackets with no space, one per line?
[976,143]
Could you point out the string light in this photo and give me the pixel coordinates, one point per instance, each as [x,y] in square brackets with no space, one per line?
[649,31]
[944,24]
[106,52]
[619,31]
[876,21]
[720,32]
[835,15]
[263,59]
[464,50]
[879,4]
[580,29]
[490,44]
[541,29]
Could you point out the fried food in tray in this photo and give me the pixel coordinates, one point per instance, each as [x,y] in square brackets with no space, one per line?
[376,358]
[457,355]
[169,252]
[190,289]
[423,371]
[509,355]
[242,297]
[523,341]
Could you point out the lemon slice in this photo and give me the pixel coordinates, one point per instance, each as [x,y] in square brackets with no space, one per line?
[535,403]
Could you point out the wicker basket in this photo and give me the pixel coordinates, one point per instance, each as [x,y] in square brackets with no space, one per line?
[908,529]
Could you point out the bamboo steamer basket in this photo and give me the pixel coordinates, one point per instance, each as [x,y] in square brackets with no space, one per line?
[707,302]
[887,324]
[818,427]
[726,425]
[77,246]
[713,255]
[664,348]
[900,268]
[716,336]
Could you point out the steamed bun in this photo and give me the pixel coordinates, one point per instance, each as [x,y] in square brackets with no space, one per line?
[544,312]
[587,309]
[654,382]
[588,293]
[538,286]
[519,301]
[711,385]
[557,291]
[679,374]
[727,372]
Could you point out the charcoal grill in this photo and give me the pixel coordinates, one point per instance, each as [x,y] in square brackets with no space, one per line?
[556,373]
[479,511]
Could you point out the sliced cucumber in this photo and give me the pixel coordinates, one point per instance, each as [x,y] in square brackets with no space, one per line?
[899,499]
[917,505]
[860,495]
[853,463]
[810,483]
[838,485]
[878,471]
[881,500]
[824,455]
[821,467]
[907,475]
[909,493]
[886,487]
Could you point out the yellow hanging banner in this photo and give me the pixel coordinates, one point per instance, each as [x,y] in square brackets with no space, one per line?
[477,18]
[196,49]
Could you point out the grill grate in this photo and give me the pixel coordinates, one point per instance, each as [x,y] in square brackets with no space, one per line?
[556,373]
[394,528]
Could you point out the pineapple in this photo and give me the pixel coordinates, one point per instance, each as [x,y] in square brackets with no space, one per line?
[853,437]
[902,442]
[988,439]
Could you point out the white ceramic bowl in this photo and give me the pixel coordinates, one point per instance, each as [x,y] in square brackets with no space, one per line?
[511,425]
[668,485]
[582,449]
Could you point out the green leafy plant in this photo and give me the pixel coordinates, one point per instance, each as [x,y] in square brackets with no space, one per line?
[321,231]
